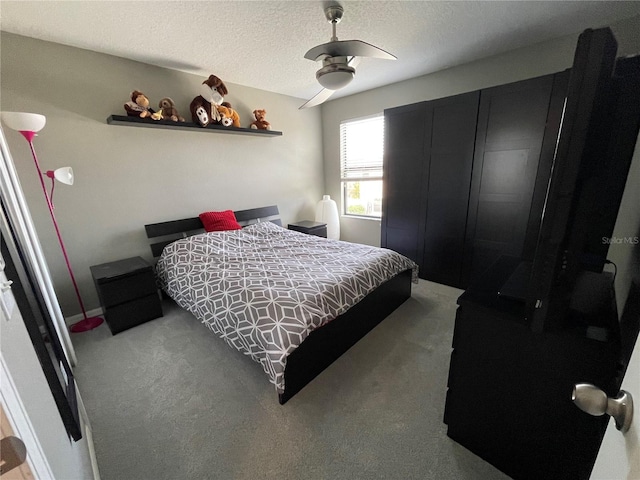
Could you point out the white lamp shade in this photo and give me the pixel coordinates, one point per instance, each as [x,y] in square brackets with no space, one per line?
[24,122]
[64,175]
[335,80]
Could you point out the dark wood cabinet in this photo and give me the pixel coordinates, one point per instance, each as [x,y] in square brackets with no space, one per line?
[465,176]
[404,175]
[128,292]
[427,170]
[510,389]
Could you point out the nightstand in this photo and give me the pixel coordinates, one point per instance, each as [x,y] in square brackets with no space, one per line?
[310,228]
[128,293]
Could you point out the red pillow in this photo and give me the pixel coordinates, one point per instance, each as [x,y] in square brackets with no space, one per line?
[219,221]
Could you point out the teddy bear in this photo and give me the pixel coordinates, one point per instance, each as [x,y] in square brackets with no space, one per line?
[139,107]
[169,111]
[260,123]
[204,107]
[229,116]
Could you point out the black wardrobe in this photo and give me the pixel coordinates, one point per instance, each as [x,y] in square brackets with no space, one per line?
[465,177]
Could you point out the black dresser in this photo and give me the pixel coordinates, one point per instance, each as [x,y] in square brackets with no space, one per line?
[128,293]
[509,389]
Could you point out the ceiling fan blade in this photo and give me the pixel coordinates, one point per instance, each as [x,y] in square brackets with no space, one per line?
[319,98]
[317,52]
[347,48]
[358,48]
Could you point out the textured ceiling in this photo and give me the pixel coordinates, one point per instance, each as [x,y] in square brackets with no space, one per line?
[261,43]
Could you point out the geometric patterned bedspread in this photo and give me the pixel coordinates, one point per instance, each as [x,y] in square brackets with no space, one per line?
[263,289]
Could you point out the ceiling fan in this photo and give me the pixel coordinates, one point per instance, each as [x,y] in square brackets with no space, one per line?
[339,59]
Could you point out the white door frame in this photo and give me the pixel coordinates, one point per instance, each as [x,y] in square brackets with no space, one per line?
[21,424]
[619,454]
[19,217]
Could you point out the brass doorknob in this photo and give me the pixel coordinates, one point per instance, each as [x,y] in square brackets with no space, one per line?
[592,400]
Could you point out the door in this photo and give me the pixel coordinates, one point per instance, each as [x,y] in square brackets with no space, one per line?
[512,123]
[404,174]
[28,393]
[619,455]
[427,173]
[453,132]
[15,420]
[38,390]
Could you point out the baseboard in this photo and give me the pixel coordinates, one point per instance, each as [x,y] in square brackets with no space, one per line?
[96,312]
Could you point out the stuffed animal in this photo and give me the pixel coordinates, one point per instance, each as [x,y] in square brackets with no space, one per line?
[228,116]
[227,112]
[169,110]
[139,107]
[204,107]
[260,123]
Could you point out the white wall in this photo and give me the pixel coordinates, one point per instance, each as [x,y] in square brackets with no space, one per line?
[127,177]
[540,59]
[626,254]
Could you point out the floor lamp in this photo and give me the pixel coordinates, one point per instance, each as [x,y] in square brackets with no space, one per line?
[28,124]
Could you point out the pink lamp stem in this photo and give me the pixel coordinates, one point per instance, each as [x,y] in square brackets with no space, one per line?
[90,322]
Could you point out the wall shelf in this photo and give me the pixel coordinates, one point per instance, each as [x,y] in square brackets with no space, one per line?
[170,124]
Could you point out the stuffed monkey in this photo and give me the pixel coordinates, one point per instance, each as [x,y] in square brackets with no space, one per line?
[139,106]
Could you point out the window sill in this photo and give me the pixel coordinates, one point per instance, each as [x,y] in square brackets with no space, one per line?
[358,217]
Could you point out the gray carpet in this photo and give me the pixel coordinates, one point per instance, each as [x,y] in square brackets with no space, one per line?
[169,400]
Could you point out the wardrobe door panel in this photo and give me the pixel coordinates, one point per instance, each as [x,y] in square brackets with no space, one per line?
[450,162]
[511,128]
[406,141]
[403,241]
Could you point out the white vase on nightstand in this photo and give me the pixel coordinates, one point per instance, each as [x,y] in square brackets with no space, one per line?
[327,212]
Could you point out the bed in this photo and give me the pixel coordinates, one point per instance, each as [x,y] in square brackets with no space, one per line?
[292,302]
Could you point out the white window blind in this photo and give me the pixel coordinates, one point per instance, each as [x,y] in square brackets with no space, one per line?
[361,148]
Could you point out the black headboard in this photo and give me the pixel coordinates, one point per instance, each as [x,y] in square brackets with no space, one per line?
[190,226]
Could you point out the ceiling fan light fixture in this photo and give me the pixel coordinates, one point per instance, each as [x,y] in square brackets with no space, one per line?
[339,59]
[335,77]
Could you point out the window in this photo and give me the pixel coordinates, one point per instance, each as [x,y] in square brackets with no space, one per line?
[361,148]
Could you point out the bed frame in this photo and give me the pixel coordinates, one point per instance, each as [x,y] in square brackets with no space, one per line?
[325,344]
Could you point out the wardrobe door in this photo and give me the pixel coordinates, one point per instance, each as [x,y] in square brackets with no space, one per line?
[406,145]
[510,132]
[450,161]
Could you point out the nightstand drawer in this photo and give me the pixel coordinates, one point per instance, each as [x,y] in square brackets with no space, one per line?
[126,288]
[123,280]
[126,315]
